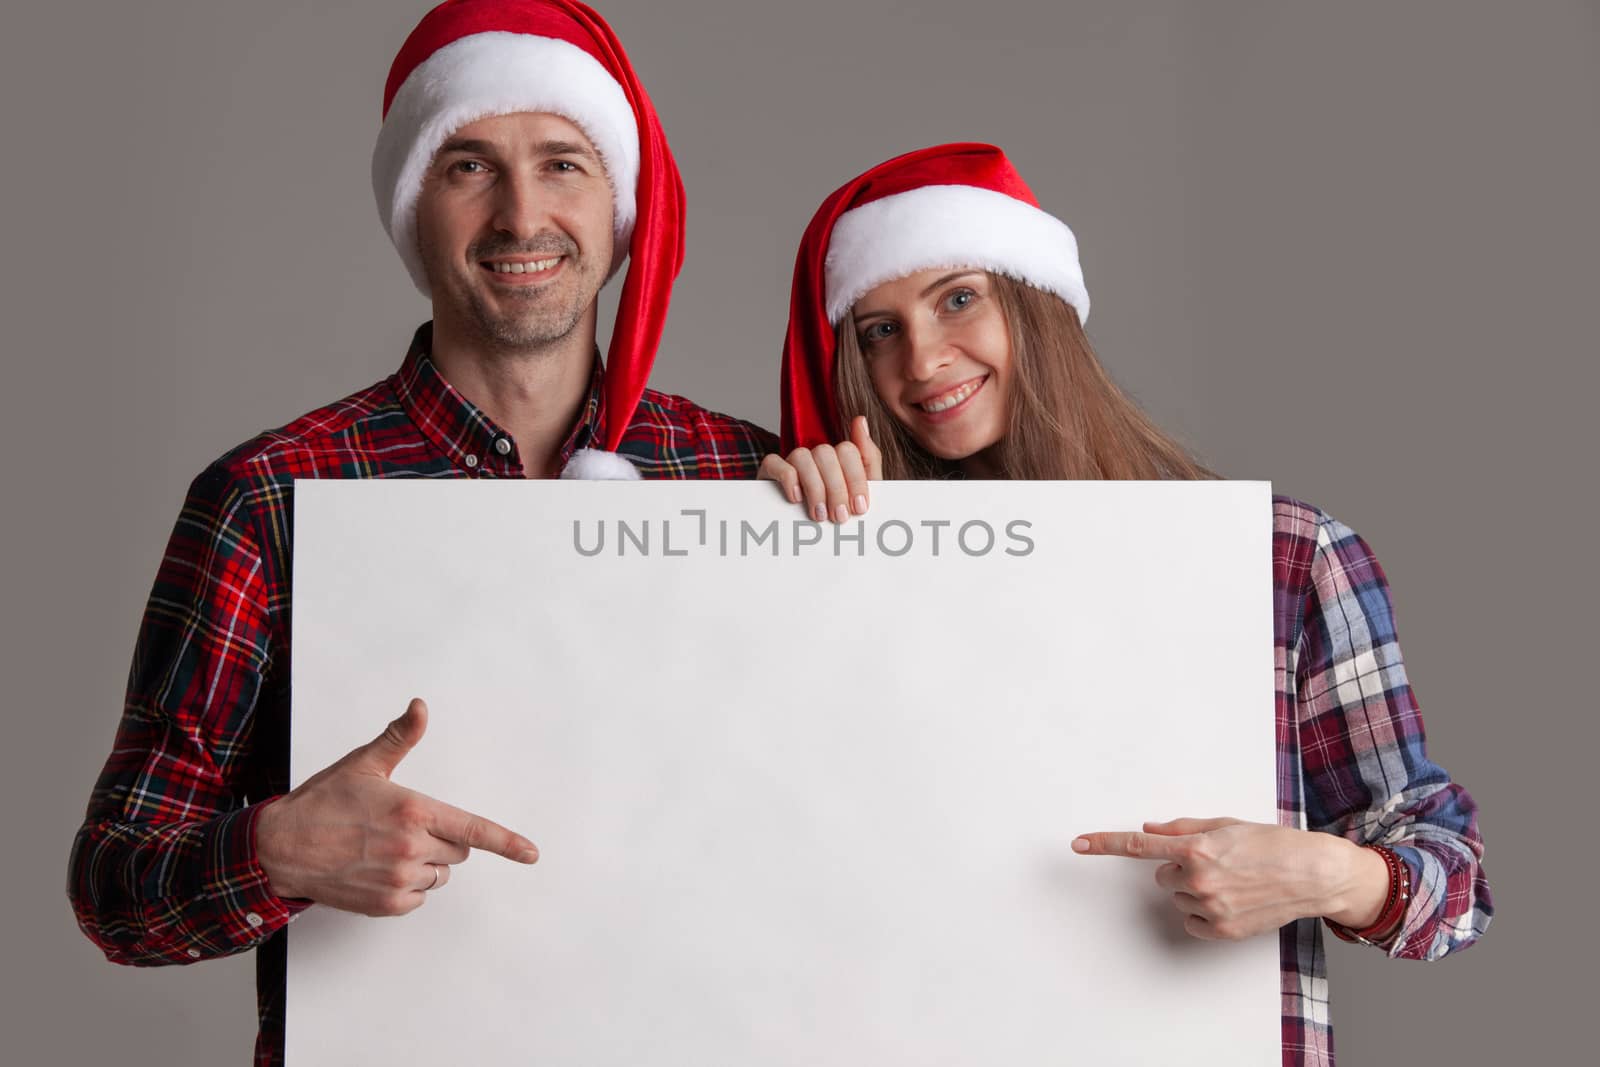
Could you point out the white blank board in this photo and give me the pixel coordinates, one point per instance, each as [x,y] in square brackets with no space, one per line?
[798,803]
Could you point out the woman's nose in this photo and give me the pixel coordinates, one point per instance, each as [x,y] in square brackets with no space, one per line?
[928,351]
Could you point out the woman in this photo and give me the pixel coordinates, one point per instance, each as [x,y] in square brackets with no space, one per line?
[935,331]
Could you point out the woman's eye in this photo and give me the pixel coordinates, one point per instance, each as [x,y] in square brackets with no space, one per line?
[877,332]
[960,299]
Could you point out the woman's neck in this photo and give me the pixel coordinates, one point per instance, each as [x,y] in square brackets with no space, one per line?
[983,465]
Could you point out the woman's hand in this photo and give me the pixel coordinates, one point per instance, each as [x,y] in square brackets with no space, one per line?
[830,479]
[1233,879]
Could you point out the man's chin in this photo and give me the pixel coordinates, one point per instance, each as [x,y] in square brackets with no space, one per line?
[511,320]
[522,332]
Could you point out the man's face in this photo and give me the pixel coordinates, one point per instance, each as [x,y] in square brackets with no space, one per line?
[514,228]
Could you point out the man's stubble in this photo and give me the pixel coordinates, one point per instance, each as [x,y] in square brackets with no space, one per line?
[530,321]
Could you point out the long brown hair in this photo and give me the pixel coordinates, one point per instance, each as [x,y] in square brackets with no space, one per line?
[1067,420]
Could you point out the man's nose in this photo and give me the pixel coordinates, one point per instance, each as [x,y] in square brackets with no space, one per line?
[519,207]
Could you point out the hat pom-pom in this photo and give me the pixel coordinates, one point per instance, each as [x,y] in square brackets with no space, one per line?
[596,465]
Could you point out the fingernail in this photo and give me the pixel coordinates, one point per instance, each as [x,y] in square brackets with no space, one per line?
[1080,844]
[861,503]
[794,495]
[820,513]
[842,514]
[527,855]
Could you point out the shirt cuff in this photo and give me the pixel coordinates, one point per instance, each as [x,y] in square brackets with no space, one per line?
[1419,914]
[245,910]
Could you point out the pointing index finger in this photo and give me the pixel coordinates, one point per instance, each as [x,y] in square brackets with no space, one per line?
[474,831]
[1133,845]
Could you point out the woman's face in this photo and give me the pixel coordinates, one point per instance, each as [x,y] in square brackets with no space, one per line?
[939,357]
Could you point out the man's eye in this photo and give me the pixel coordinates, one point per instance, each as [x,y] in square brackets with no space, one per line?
[565,166]
[467,166]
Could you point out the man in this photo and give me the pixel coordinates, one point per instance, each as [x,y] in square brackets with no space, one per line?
[518,164]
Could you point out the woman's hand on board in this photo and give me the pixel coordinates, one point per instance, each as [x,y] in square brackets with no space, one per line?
[1234,879]
[830,480]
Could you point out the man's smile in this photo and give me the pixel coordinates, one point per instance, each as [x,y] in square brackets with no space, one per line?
[523,271]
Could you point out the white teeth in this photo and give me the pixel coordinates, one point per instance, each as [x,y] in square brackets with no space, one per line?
[950,400]
[526,268]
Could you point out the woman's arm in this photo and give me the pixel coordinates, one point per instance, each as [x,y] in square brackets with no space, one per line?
[1354,729]
[1363,752]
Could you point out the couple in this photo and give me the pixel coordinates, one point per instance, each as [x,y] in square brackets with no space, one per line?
[935,330]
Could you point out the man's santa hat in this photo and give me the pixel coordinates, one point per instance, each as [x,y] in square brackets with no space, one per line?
[954,206]
[470,59]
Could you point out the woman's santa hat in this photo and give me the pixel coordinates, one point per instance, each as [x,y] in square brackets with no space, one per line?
[470,59]
[955,206]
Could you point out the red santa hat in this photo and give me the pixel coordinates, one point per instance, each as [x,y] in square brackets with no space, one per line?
[470,59]
[954,205]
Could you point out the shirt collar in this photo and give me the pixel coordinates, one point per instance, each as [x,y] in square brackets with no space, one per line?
[471,440]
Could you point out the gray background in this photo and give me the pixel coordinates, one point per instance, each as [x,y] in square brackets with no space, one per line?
[1349,248]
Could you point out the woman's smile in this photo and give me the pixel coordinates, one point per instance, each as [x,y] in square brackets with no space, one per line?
[950,403]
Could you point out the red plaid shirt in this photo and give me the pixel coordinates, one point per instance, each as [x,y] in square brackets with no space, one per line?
[164,869]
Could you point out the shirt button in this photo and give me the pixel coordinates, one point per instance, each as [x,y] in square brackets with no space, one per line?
[194,954]
[472,461]
[503,446]
[253,919]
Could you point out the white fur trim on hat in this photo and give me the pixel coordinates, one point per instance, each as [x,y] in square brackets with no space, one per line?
[499,73]
[950,226]
[596,465]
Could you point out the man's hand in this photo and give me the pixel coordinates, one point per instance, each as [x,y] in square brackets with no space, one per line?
[350,838]
[1233,879]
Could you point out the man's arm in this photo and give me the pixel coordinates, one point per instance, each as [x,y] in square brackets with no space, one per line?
[164,868]
[171,864]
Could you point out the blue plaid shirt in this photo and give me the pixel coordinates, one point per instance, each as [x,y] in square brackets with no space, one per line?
[1352,760]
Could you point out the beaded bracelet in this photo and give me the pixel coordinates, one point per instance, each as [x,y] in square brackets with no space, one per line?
[1387,924]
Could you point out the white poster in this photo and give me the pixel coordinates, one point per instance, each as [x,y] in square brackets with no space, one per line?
[803,794]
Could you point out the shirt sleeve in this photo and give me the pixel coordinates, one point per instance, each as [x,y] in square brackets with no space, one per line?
[1364,756]
[163,869]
